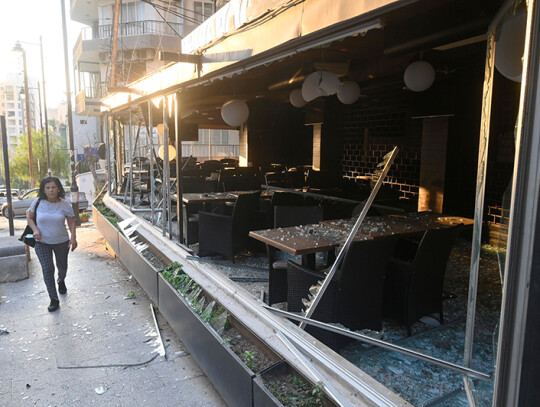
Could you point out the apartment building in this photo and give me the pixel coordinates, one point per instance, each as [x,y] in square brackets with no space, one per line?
[12,106]
[145,27]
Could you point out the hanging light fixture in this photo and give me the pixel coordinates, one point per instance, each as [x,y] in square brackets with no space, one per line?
[320,83]
[235,112]
[348,92]
[419,76]
[509,47]
[296,98]
[160,129]
[172,152]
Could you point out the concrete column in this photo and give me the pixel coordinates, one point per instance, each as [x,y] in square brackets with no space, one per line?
[433,164]
[243,136]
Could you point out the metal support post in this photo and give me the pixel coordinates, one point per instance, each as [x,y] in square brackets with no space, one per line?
[74,187]
[45,109]
[6,172]
[166,171]
[150,132]
[179,182]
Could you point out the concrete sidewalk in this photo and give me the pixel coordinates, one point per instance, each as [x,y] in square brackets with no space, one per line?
[92,351]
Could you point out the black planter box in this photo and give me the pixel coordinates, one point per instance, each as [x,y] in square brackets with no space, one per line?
[227,372]
[262,397]
[106,228]
[139,267]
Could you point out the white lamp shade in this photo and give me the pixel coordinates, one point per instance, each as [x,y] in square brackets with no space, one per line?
[419,76]
[160,129]
[172,152]
[320,83]
[509,47]
[348,92]
[235,112]
[296,98]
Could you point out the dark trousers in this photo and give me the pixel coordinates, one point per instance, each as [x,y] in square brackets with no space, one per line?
[44,253]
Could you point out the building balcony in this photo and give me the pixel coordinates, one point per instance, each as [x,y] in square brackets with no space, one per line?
[87,102]
[94,43]
[84,10]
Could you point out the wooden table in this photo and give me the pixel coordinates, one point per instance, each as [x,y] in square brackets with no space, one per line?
[302,240]
[327,235]
[208,197]
[403,224]
[212,197]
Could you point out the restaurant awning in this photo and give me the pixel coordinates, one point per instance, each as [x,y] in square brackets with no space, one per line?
[241,36]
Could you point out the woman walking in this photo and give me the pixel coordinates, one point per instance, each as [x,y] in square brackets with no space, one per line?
[47,217]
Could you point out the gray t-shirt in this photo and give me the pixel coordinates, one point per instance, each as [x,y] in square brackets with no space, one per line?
[51,220]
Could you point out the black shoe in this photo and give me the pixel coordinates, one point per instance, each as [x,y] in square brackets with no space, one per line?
[62,287]
[55,304]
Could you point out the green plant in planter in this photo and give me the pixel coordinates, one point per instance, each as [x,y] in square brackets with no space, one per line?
[175,275]
[318,393]
[293,390]
[84,216]
[249,357]
[107,213]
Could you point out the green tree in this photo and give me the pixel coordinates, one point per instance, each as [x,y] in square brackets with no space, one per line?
[59,157]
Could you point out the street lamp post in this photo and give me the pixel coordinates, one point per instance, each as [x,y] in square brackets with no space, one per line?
[49,173]
[45,109]
[74,187]
[19,48]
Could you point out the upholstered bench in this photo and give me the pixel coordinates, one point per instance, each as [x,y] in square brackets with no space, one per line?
[13,259]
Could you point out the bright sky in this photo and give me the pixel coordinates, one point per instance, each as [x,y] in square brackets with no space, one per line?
[25,21]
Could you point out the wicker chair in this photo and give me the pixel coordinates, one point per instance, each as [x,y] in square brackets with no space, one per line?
[414,289]
[227,235]
[285,216]
[355,294]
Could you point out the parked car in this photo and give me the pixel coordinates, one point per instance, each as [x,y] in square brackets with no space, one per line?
[3,194]
[21,205]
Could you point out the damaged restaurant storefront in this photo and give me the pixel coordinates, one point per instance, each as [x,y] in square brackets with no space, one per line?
[376,119]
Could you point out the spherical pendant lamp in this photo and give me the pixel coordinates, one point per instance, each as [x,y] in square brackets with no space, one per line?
[320,83]
[296,98]
[419,76]
[348,92]
[509,47]
[160,129]
[172,152]
[235,112]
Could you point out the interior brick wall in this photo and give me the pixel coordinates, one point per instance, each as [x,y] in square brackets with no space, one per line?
[372,129]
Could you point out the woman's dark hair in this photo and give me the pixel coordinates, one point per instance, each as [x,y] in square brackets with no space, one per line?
[47,180]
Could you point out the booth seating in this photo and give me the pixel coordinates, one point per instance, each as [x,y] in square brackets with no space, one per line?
[13,260]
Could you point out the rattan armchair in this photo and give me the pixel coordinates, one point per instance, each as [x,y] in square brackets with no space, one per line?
[355,294]
[227,235]
[285,216]
[414,289]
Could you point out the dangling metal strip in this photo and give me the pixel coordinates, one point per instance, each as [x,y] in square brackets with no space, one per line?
[381,171]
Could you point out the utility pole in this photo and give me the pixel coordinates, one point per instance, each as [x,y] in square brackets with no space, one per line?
[45,109]
[6,173]
[74,187]
[19,48]
[40,111]
[116,19]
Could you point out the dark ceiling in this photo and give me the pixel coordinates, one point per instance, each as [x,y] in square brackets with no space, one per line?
[376,59]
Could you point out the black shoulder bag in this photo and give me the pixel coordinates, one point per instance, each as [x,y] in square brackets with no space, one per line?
[30,241]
